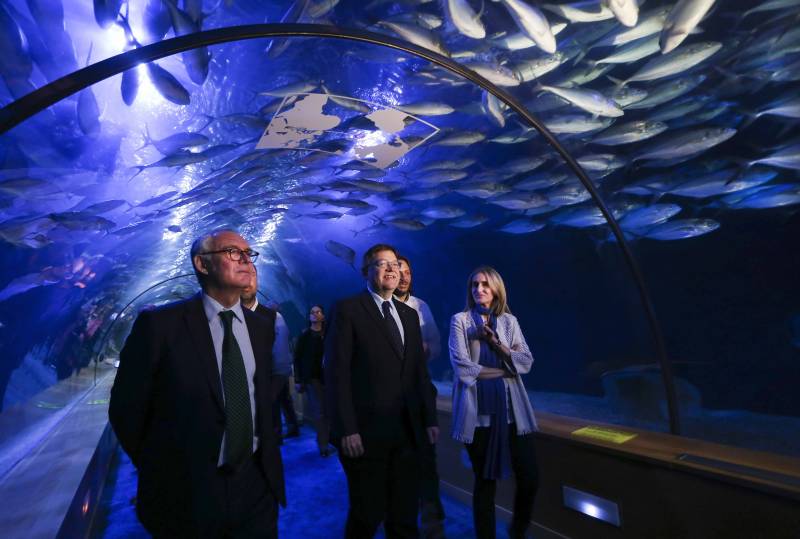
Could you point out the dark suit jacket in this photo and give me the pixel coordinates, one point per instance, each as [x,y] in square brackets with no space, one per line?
[369,385]
[167,412]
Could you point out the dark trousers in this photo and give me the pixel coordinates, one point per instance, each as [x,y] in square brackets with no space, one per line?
[526,475]
[245,508]
[431,509]
[283,401]
[383,486]
[317,411]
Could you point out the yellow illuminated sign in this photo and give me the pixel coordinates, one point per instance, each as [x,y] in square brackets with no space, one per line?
[605,435]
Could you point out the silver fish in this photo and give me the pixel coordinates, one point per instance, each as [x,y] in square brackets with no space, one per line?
[522,226]
[459,164]
[681,229]
[629,132]
[470,221]
[680,107]
[686,143]
[541,180]
[532,23]
[585,11]
[788,157]
[520,41]
[576,123]
[650,23]
[567,194]
[496,74]
[601,162]
[196,61]
[773,196]
[589,100]
[668,91]
[584,217]
[494,108]
[682,19]
[481,189]
[460,138]
[173,143]
[519,200]
[632,52]
[648,216]
[417,35]
[464,18]
[289,89]
[626,11]
[342,252]
[442,176]
[167,85]
[675,62]
[443,212]
[426,108]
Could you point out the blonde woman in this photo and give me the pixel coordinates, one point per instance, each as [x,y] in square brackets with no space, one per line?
[492,414]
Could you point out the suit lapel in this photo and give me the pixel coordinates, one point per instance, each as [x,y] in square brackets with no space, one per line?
[404,319]
[201,337]
[258,344]
[368,302]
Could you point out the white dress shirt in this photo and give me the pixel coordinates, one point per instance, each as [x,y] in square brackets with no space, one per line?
[212,308]
[427,325]
[281,358]
[379,302]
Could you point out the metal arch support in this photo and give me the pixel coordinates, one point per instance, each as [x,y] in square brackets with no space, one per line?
[27,106]
[102,342]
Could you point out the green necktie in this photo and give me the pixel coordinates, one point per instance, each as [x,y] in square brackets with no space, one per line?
[239,419]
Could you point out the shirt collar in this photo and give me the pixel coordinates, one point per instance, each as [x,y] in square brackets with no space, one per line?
[378,299]
[255,305]
[212,308]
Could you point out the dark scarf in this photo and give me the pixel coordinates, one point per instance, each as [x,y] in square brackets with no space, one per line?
[492,401]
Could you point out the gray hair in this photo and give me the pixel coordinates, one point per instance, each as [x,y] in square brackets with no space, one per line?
[203,244]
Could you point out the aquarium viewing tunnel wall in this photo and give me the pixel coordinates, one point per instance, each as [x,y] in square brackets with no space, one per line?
[632,173]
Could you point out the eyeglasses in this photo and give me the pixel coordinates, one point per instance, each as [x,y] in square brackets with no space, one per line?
[235,254]
[383,264]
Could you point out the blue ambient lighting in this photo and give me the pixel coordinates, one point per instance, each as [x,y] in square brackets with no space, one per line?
[591,505]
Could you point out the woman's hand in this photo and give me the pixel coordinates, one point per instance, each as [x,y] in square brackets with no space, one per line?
[490,336]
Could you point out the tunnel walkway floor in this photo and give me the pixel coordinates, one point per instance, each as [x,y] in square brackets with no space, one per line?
[316,491]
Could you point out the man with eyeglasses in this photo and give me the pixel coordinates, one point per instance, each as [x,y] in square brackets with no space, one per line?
[191,406]
[381,400]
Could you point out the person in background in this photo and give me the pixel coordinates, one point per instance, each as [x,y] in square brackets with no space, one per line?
[492,414]
[431,509]
[308,374]
[381,401]
[281,361]
[191,406]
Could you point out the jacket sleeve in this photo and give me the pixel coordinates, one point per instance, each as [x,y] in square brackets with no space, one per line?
[466,371]
[130,406]
[338,379]
[521,356]
[430,333]
[425,386]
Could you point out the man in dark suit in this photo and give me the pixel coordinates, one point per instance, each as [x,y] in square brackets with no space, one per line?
[191,406]
[382,402]
[281,361]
